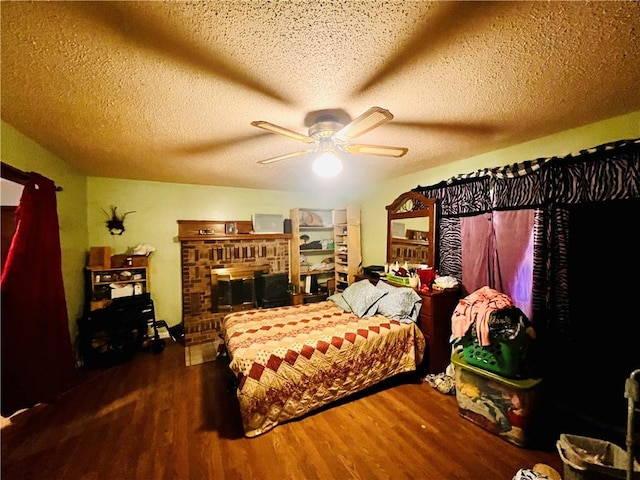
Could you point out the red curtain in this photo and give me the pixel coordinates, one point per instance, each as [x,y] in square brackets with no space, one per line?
[37,354]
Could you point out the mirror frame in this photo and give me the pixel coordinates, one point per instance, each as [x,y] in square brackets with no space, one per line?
[413,205]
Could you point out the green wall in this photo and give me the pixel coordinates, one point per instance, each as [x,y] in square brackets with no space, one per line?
[158,206]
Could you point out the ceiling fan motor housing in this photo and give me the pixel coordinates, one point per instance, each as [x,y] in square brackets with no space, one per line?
[325,127]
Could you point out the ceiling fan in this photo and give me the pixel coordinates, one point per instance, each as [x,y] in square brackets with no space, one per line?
[328,135]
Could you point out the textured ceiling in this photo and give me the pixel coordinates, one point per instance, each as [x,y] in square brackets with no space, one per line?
[166,91]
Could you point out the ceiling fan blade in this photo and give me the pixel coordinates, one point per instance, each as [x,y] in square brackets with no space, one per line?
[381,150]
[284,157]
[369,120]
[282,131]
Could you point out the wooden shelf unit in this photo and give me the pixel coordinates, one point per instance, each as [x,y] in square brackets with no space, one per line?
[348,255]
[321,233]
[99,280]
[340,230]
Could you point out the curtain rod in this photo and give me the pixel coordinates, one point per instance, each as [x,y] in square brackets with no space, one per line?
[18,176]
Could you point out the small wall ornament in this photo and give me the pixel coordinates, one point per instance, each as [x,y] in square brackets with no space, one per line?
[115,223]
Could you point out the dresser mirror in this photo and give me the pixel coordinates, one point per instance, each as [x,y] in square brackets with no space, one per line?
[411,230]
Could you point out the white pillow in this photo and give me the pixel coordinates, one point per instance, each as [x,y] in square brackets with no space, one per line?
[402,304]
[339,300]
[384,286]
[362,296]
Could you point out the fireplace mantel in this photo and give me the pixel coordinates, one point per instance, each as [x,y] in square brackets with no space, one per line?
[207,245]
[239,237]
[216,230]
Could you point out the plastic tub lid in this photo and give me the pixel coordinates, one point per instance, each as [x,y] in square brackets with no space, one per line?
[521,384]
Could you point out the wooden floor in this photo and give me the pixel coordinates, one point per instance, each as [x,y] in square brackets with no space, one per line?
[154,418]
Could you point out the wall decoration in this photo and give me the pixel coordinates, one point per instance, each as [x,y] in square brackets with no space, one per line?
[115,223]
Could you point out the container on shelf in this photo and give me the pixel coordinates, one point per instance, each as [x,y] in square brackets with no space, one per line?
[398,280]
[100,257]
[118,261]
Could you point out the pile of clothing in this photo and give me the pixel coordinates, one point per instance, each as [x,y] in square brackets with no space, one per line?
[540,471]
[483,317]
[494,334]
[490,313]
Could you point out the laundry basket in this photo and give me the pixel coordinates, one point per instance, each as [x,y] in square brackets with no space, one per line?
[509,344]
[588,458]
[591,459]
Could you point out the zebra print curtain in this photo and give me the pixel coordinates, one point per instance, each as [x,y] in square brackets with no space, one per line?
[604,173]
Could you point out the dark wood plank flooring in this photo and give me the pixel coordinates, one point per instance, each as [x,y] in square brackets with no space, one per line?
[155,418]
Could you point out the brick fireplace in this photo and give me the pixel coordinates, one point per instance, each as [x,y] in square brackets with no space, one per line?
[207,245]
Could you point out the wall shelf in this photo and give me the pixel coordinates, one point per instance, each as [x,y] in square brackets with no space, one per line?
[216,230]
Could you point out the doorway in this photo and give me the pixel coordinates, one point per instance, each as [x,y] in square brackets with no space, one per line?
[11,193]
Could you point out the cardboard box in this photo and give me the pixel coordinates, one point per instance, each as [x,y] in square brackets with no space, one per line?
[119,291]
[118,261]
[100,257]
[504,406]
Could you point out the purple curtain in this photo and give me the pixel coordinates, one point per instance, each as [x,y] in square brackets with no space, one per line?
[513,230]
[37,354]
[477,252]
[497,251]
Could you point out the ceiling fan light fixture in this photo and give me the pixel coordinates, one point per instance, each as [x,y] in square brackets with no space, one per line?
[331,137]
[327,164]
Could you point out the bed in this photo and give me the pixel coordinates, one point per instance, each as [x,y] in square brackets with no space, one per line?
[288,361]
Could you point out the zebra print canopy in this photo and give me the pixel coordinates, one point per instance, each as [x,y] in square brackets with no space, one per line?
[604,173]
[607,172]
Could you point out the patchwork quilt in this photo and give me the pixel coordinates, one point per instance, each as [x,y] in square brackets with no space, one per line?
[291,360]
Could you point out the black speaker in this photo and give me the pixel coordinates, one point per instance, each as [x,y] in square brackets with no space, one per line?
[314,284]
[287,225]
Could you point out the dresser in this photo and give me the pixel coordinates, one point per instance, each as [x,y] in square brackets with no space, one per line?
[434,323]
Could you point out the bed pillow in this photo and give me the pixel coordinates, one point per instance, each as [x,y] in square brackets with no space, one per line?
[339,300]
[385,286]
[362,297]
[400,303]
